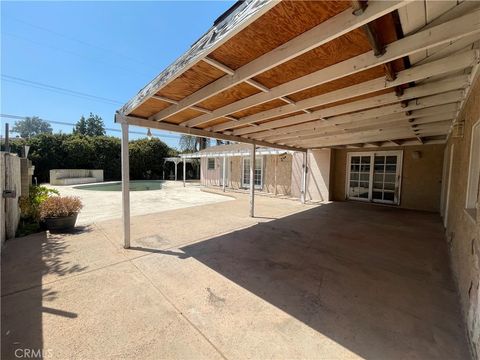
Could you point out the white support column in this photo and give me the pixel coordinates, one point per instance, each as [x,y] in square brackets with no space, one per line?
[176,168]
[184,172]
[303,192]
[252,181]
[224,171]
[275,175]
[125,187]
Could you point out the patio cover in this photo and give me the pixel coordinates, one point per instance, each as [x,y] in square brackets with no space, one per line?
[231,150]
[297,75]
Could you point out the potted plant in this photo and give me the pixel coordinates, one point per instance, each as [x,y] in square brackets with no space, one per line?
[60,212]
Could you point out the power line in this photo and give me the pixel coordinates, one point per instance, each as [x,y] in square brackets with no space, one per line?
[17,117]
[71,38]
[107,63]
[57,89]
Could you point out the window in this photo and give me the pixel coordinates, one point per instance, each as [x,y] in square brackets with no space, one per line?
[211,163]
[257,176]
[374,176]
[473,172]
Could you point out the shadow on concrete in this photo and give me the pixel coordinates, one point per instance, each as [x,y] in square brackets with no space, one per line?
[25,261]
[180,255]
[374,279]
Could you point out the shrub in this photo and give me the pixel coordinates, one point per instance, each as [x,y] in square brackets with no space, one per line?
[60,206]
[63,151]
[30,205]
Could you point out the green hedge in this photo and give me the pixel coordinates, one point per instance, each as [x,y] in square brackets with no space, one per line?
[69,151]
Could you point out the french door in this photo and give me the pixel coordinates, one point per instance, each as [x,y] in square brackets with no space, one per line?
[257,175]
[374,176]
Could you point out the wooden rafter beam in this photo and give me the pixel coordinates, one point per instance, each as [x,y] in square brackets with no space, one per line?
[361,105]
[441,34]
[321,34]
[246,14]
[439,122]
[442,66]
[363,126]
[145,123]
[421,115]
[369,137]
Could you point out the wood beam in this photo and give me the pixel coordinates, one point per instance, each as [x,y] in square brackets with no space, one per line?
[319,35]
[358,106]
[308,128]
[440,121]
[136,121]
[446,65]
[380,134]
[362,126]
[405,134]
[441,34]
[246,14]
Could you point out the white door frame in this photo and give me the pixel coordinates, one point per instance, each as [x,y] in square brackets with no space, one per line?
[372,154]
[347,180]
[244,185]
[449,183]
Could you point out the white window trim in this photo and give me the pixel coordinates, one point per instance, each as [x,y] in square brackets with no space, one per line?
[473,173]
[214,163]
[372,154]
[247,186]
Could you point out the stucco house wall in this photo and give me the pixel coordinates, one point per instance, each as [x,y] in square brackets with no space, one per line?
[421,178]
[318,174]
[282,183]
[210,177]
[463,231]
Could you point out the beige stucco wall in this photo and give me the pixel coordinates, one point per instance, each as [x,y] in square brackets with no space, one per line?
[234,174]
[210,177]
[282,184]
[421,178]
[318,175]
[463,232]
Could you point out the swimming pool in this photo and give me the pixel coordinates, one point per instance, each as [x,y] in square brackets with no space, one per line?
[135,185]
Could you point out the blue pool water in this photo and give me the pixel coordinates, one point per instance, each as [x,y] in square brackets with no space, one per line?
[135,185]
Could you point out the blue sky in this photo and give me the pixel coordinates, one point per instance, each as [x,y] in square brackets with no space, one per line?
[105,49]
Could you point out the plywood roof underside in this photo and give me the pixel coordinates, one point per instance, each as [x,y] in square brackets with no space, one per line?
[311,74]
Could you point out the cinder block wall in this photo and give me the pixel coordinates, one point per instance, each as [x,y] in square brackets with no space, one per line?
[463,232]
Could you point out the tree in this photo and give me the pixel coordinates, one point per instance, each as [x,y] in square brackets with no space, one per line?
[92,126]
[31,126]
[80,127]
[190,143]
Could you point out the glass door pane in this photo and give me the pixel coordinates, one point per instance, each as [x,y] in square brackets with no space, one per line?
[385,178]
[246,172]
[257,176]
[359,181]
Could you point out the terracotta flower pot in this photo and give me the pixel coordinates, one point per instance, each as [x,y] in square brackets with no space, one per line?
[61,223]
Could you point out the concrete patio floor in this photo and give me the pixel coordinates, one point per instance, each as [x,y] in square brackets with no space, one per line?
[106,205]
[334,281]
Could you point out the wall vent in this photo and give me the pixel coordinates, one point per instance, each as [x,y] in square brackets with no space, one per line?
[458,129]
